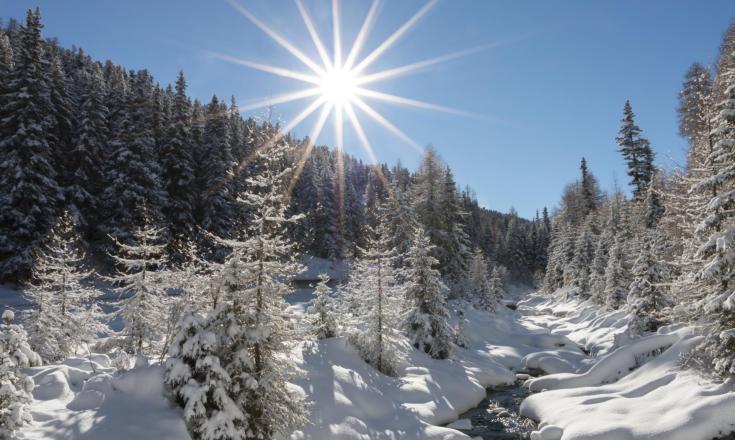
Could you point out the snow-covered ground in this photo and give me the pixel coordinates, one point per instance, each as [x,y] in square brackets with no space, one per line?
[634,389]
[624,389]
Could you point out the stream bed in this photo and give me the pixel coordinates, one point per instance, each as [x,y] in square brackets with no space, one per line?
[496,417]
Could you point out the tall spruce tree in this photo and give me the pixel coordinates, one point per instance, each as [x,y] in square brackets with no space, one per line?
[177,172]
[29,192]
[636,151]
[427,319]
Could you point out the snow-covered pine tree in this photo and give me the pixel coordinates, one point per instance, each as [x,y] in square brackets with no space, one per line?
[373,293]
[426,322]
[323,311]
[617,279]
[177,172]
[216,200]
[15,392]
[455,243]
[477,288]
[718,272]
[598,267]
[238,386]
[65,315]
[132,171]
[497,284]
[554,277]
[29,192]
[636,151]
[88,156]
[144,307]
[584,254]
[460,336]
[647,297]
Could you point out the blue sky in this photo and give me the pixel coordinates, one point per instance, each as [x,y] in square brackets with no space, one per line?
[551,89]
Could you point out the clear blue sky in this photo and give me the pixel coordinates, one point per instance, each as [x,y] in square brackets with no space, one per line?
[554,85]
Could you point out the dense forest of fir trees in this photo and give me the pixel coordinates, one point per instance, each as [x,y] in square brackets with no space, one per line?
[119,151]
[667,253]
[196,218]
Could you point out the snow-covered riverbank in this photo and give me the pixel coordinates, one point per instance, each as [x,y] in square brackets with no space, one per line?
[591,396]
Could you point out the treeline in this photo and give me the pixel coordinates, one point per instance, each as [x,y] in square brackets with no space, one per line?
[667,254]
[117,150]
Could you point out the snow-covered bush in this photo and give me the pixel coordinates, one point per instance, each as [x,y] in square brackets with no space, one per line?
[15,387]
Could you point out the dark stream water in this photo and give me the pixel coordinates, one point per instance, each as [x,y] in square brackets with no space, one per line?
[496,417]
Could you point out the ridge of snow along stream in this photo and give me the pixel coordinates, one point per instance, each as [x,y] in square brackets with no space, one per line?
[628,389]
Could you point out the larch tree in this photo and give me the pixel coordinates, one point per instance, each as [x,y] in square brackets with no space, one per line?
[142,287]
[376,297]
[718,271]
[477,287]
[65,315]
[243,392]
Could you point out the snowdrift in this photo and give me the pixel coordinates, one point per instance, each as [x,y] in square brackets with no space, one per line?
[638,389]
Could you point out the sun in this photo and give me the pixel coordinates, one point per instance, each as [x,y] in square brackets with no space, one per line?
[340,84]
[338,87]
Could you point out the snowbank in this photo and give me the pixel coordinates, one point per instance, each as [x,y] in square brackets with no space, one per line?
[88,399]
[658,399]
[608,369]
[354,401]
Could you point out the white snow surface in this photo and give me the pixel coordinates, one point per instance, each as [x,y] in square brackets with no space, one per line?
[630,388]
[637,389]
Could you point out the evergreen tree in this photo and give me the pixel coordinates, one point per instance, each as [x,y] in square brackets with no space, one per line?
[178,171]
[617,278]
[584,254]
[88,156]
[636,151]
[15,392]
[29,192]
[216,171]
[426,322]
[589,188]
[646,296]
[133,174]
[477,286]
[497,284]
[323,311]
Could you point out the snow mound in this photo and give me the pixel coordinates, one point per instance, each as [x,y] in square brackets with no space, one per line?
[86,399]
[608,369]
[657,400]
